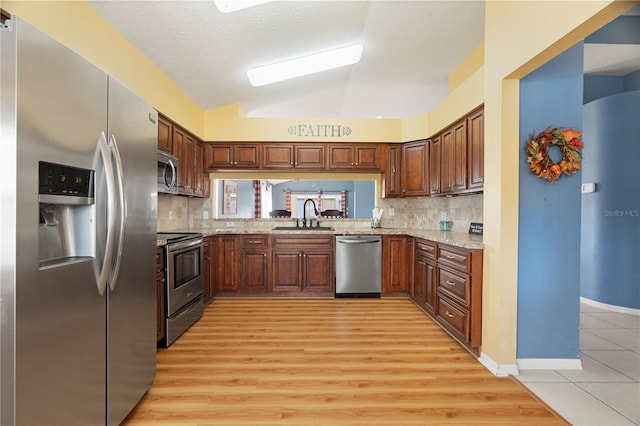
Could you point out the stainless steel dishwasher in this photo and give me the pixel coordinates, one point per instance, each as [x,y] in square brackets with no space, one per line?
[358,265]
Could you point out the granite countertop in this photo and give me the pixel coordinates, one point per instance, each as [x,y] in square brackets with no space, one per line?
[459,239]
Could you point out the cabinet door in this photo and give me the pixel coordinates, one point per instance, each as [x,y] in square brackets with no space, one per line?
[160,294]
[246,156]
[434,165]
[165,135]
[277,156]
[309,156]
[254,268]
[198,173]
[392,176]
[367,156]
[228,265]
[178,151]
[453,172]
[287,270]
[394,249]
[187,163]
[218,156]
[475,150]
[318,272]
[430,286]
[415,174]
[419,280]
[341,156]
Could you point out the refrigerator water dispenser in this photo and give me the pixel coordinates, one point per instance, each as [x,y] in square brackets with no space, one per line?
[66,230]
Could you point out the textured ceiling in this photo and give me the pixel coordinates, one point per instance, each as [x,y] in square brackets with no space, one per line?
[410,48]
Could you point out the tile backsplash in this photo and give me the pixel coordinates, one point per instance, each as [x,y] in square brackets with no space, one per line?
[176,212]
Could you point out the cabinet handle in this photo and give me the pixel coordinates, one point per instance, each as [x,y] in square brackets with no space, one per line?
[449,257]
[450,283]
[448,314]
[393,169]
[254,242]
[264,254]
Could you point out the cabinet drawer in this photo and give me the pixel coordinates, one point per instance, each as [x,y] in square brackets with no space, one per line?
[455,257]
[426,248]
[306,242]
[457,286]
[453,318]
[255,241]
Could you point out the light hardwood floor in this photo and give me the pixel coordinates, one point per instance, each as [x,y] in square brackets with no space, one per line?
[327,362]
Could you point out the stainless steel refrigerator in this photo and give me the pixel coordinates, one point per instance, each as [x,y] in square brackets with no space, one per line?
[77,249]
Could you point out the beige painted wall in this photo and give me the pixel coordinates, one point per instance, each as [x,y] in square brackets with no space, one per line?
[514,45]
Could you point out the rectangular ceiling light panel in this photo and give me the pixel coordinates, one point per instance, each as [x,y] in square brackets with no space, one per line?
[305,65]
[226,6]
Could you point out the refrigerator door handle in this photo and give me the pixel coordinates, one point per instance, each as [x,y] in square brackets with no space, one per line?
[121,211]
[102,274]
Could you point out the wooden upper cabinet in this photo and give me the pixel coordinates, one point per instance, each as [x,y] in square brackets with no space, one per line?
[415,173]
[310,156]
[453,172]
[434,164]
[392,176]
[198,174]
[293,156]
[231,156]
[475,150]
[165,135]
[354,156]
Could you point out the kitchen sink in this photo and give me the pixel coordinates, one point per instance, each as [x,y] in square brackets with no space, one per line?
[301,229]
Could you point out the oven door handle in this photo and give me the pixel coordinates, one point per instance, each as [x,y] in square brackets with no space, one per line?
[182,245]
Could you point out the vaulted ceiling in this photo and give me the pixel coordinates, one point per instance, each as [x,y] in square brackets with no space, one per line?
[410,48]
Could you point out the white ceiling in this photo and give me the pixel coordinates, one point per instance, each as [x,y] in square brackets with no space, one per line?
[410,48]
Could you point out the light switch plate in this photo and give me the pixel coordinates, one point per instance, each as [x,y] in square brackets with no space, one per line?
[588,187]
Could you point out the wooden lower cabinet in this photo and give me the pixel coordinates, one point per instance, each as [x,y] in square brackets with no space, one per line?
[394,266]
[228,266]
[254,263]
[459,293]
[160,331]
[208,269]
[303,263]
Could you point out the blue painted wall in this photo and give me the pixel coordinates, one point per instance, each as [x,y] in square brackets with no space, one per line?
[360,194]
[610,271]
[245,199]
[631,81]
[601,86]
[549,218]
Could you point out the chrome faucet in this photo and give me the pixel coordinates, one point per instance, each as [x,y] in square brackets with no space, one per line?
[304,213]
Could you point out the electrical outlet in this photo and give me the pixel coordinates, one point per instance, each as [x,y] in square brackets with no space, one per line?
[205,214]
[170,215]
[391,211]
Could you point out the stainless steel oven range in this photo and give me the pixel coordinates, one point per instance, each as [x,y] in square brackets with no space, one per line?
[183,283]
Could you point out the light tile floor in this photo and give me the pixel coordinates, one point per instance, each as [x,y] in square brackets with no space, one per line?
[606,392]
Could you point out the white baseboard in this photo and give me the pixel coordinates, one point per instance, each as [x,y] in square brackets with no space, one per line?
[613,308]
[500,370]
[549,364]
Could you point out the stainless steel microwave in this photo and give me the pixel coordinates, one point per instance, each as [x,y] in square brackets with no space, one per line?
[167,173]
